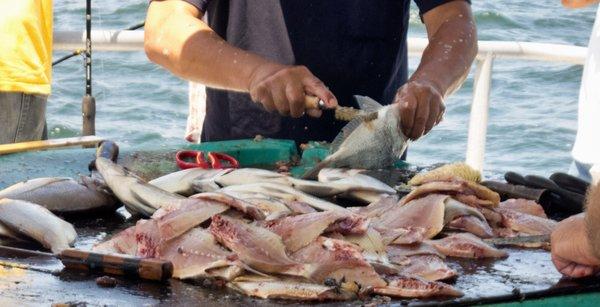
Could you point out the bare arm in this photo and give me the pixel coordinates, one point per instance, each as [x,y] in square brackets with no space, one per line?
[444,65]
[592,218]
[177,39]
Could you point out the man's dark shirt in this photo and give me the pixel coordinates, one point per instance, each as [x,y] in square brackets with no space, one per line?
[356,47]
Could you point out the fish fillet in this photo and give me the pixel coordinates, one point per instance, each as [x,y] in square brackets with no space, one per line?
[415,287]
[338,260]
[527,223]
[194,254]
[122,243]
[524,206]
[456,186]
[261,205]
[38,223]
[147,238]
[466,245]
[381,206]
[429,267]
[299,230]
[268,287]
[426,212]
[257,247]
[177,218]
[472,225]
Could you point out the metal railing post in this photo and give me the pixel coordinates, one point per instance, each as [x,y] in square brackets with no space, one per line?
[479,113]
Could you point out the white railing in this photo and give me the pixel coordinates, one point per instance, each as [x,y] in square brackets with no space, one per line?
[488,51]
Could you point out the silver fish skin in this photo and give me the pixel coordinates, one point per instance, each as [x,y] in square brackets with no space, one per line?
[368,144]
[137,195]
[62,195]
[285,193]
[255,175]
[38,223]
[181,182]
[355,186]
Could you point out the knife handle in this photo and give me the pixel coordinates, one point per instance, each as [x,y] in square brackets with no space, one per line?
[313,102]
[113,264]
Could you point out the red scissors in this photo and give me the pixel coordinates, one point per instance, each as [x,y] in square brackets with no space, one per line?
[215,160]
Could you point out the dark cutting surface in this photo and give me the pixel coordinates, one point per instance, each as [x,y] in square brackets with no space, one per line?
[524,274]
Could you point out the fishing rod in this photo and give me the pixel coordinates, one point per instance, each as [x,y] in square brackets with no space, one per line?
[88,104]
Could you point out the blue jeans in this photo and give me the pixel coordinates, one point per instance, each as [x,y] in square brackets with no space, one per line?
[581,170]
[22,117]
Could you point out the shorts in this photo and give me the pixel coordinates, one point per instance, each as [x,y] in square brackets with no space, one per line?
[22,117]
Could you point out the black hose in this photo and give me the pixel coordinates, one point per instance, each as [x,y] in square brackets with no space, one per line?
[66,57]
[137,26]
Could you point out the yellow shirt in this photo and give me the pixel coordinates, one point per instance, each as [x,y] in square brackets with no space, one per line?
[26,46]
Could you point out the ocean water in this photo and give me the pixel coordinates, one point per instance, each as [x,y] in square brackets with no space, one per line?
[533,115]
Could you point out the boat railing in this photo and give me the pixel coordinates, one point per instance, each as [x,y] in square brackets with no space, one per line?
[123,40]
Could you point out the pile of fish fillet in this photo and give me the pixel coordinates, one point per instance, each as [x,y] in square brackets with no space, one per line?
[269,235]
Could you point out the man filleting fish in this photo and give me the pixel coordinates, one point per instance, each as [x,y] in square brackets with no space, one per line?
[258,57]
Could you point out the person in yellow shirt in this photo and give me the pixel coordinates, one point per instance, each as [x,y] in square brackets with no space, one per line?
[25,68]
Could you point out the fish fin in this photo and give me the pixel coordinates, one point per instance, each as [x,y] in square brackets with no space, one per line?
[367,104]
[344,133]
[314,172]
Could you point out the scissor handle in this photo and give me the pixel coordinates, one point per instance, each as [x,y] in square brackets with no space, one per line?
[215,159]
[196,156]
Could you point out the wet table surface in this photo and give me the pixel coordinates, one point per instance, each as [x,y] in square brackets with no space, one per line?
[526,273]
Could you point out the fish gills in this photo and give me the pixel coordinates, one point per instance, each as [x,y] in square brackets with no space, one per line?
[38,223]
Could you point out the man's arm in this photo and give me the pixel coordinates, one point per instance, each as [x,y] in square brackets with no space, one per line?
[444,65]
[576,240]
[592,218]
[177,39]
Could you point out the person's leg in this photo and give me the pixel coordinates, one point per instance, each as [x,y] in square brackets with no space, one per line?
[10,105]
[33,118]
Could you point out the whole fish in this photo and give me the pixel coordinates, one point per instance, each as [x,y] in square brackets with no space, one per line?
[255,175]
[371,143]
[355,186]
[285,193]
[38,223]
[137,195]
[62,195]
[181,182]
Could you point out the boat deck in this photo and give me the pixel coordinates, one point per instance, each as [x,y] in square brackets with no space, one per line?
[525,274]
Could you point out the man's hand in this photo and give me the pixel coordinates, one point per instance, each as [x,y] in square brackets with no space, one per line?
[283,88]
[571,251]
[421,108]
